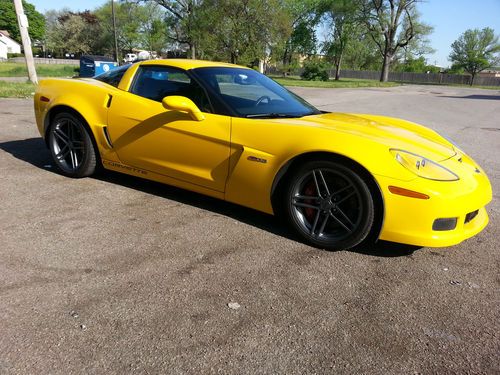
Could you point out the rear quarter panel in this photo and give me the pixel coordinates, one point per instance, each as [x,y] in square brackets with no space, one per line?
[88,97]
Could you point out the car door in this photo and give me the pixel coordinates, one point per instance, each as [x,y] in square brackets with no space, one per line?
[147,136]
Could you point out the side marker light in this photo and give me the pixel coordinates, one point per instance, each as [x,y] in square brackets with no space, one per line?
[407,193]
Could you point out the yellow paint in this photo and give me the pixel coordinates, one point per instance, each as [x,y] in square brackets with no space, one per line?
[183,104]
[209,153]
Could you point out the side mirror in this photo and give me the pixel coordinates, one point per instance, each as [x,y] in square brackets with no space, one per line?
[183,104]
[244,79]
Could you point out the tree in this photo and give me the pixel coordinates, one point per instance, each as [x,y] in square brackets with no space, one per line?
[419,45]
[475,50]
[361,52]
[392,24]
[341,16]
[153,31]
[416,65]
[181,21]
[133,26]
[303,20]
[240,31]
[8,20]
[73,32]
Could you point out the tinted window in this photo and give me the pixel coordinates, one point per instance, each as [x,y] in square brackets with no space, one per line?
[251,94]
[157,82]
[114,76]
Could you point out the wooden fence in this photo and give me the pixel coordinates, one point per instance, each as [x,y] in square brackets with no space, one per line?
[422,78]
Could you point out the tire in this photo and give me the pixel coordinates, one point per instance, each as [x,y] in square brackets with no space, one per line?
[71,146]
[328,205]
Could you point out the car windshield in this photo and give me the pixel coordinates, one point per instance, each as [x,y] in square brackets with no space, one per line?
[253,95]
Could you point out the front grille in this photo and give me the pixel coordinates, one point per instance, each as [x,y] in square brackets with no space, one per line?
[470,216]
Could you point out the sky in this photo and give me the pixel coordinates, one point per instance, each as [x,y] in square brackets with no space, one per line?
[450,18]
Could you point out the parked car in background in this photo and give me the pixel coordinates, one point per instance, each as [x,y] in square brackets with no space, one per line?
[130,57]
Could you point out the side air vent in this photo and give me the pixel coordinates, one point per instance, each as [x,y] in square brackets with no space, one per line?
[110,99]
[106,135]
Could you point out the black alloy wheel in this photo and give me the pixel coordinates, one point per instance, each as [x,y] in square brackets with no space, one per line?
[329,205]
[71,146]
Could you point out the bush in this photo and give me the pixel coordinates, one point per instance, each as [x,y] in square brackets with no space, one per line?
[13,55]
[315,71]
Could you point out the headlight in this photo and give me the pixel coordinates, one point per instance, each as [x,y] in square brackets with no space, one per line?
[423,167]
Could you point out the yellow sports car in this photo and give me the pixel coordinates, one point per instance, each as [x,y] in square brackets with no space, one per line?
[232,133]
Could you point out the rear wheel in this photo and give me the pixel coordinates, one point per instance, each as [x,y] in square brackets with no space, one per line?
[329,205]
[71,146]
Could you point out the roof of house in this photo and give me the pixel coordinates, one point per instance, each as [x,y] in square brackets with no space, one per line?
[6,34]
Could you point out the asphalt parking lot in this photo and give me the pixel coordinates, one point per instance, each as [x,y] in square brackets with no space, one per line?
[114,275]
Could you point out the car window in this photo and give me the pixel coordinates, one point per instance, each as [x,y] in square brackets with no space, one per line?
[114,76]
[156,82]
[251,94]
[235,85]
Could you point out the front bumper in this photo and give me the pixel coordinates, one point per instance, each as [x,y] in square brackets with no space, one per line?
[410,220]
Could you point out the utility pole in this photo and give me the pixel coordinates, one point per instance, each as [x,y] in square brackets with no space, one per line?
[114,30]
[22,21]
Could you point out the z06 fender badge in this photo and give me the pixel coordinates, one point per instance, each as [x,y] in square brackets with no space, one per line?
[258,160]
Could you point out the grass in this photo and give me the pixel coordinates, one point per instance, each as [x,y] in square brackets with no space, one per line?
[342,83]
[26,89]
[8,69]
[16,89]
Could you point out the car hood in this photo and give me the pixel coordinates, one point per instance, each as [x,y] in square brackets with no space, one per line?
[393,132]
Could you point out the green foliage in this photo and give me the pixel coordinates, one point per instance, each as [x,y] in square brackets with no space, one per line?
[456,69]
[300,40]
[475,50]
[8,20]
[182,21]
[303,38]
[418,65]
[69,32]
[315,71]
[239,31]
[341,17]
[361,52]
[139,26]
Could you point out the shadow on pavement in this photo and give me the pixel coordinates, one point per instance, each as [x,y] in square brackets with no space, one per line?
[484,97]
[34,152]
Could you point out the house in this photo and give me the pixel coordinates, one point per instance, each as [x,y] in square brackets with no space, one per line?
[3,50]
[12,45]
[493,72]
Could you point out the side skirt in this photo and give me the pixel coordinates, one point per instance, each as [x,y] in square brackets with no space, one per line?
[148,175]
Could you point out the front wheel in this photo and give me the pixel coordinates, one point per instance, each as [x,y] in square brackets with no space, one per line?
[328,205]
[71,146]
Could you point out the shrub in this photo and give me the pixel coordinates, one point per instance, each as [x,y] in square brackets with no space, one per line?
[315,71]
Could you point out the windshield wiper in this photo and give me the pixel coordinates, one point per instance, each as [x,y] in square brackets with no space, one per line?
[272,115]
